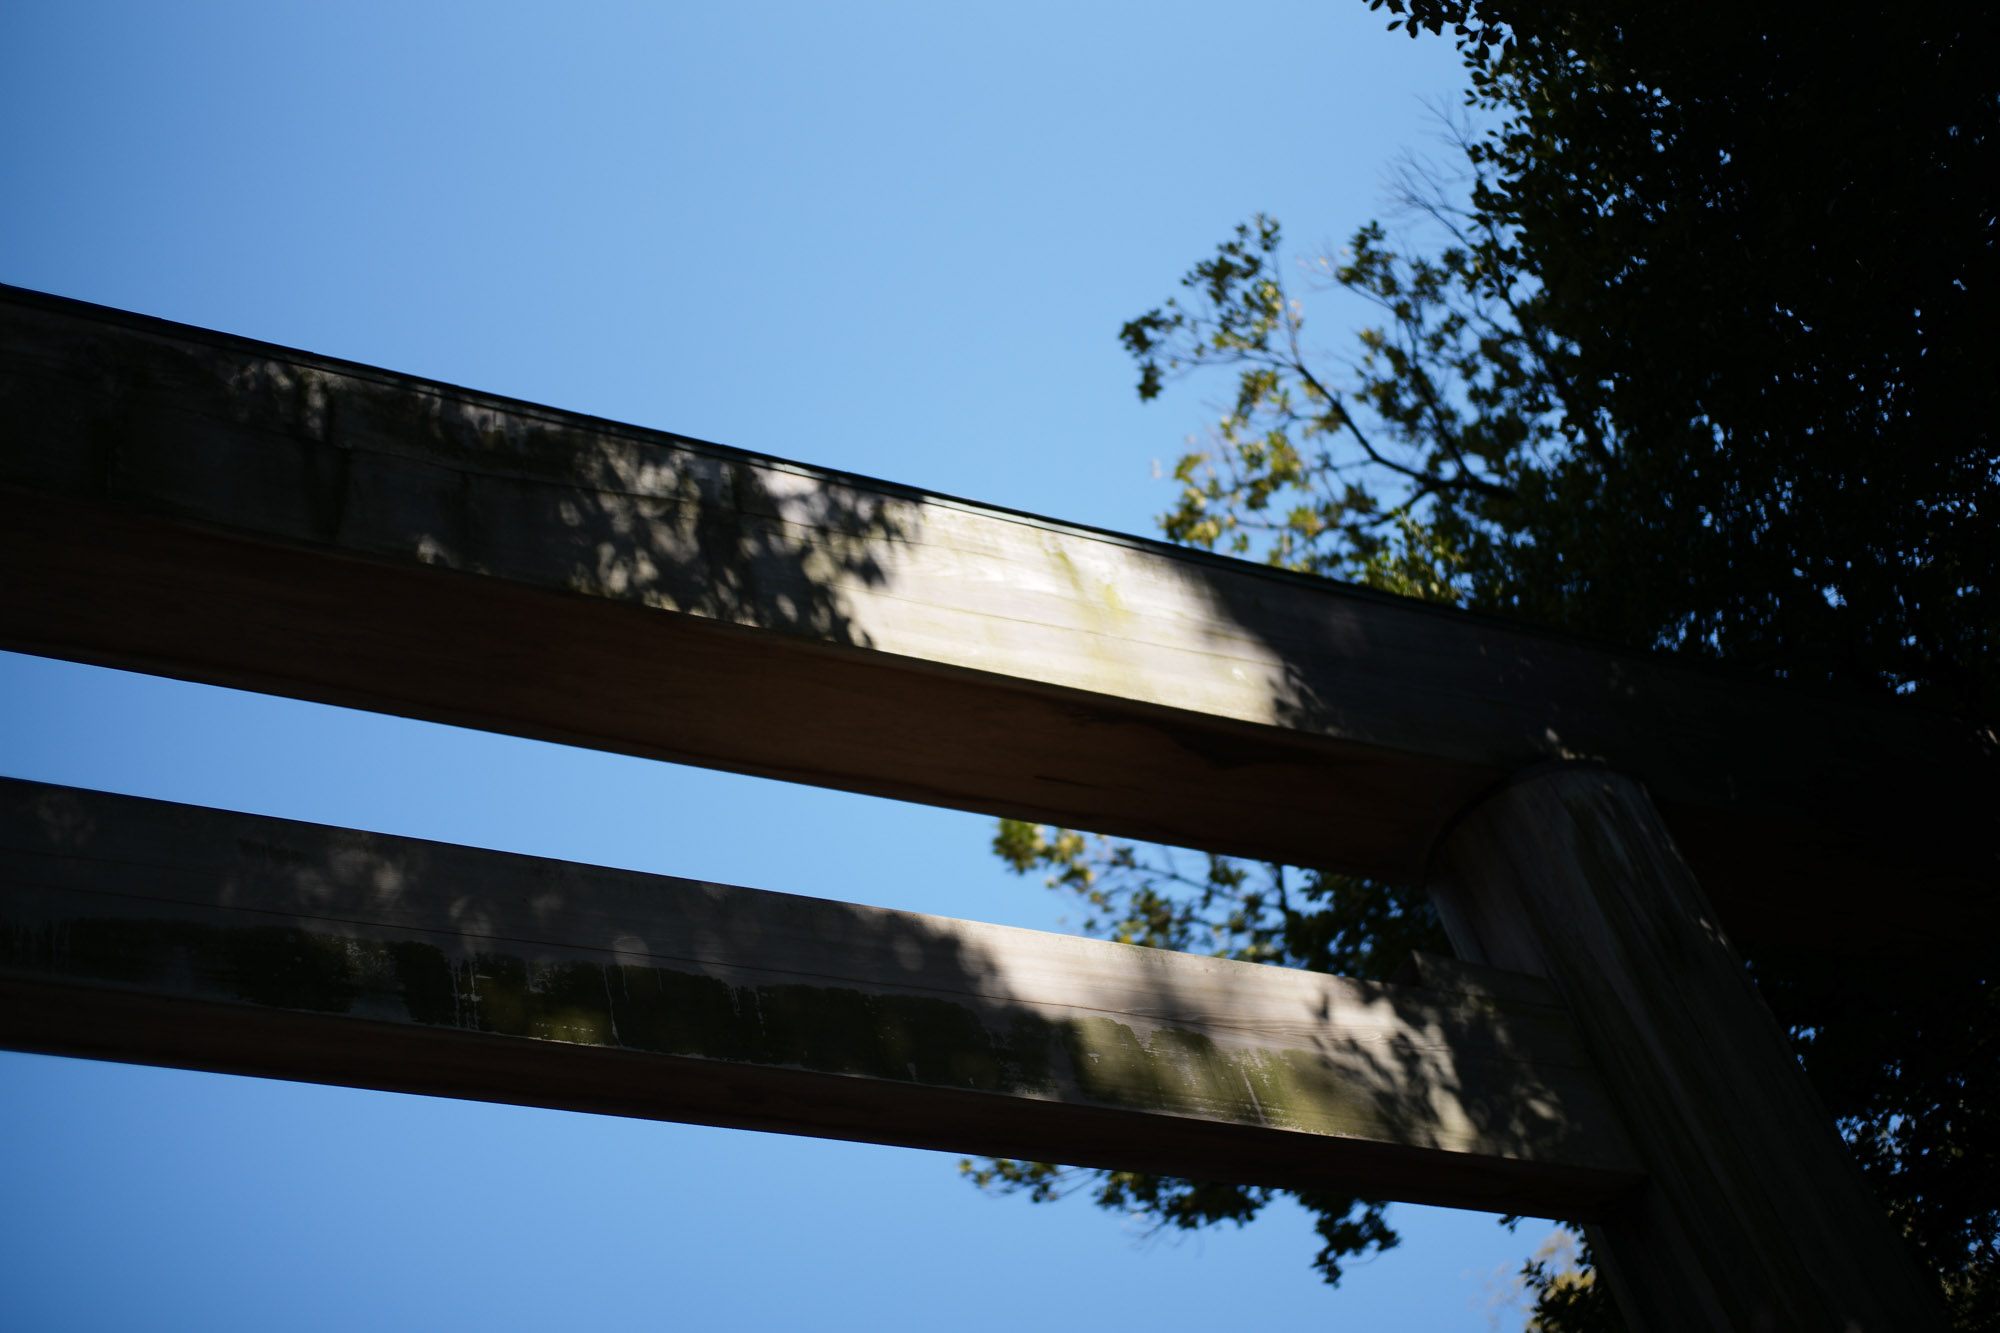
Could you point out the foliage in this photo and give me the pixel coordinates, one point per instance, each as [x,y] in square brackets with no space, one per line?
[1767,245]
[1566,1297]
[1698,368]
[1448,398]
[1346,1226]
[1163,898]
[1768,248]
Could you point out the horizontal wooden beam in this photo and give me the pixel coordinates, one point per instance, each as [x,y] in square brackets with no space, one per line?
[185,502]
[161,933]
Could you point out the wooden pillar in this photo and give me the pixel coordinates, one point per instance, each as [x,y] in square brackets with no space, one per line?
[1753,1216]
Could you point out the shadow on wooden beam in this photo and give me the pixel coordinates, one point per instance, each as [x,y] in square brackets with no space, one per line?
[165,934]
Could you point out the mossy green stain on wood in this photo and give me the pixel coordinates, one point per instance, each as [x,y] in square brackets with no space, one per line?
[834,1029]
[1187,1073]
[1176,1068]
[910,1038]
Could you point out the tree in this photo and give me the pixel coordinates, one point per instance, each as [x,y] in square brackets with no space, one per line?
[1697,368]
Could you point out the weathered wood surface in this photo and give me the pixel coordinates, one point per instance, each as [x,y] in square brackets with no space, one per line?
[184,502]
[1753,1216]
[162,933]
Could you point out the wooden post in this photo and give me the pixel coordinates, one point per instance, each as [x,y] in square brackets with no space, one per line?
[1753,1217]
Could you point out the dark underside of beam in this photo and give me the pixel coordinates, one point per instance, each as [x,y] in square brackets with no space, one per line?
[438,1062]
[131,591]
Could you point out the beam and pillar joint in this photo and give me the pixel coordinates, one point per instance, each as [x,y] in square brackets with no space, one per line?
[1753,1216]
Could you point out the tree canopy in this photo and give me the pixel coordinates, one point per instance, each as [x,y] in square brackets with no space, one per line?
[1694,361]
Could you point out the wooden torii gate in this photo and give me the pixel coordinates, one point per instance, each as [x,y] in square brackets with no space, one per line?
[184,502]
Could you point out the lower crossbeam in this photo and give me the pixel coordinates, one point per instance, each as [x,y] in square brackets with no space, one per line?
[157,933]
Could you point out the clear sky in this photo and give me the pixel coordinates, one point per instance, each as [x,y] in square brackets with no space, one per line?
[894,239]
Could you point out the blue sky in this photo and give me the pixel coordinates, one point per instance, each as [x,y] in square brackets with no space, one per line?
[893,239]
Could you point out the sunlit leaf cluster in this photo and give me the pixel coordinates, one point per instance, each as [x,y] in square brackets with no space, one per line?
[1399,467]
